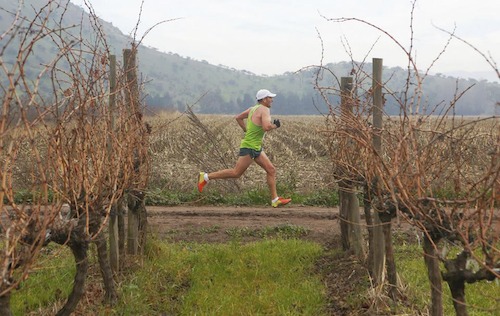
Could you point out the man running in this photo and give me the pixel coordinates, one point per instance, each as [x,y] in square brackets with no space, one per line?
[258,122]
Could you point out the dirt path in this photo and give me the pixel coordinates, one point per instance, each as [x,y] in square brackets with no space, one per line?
[212,223]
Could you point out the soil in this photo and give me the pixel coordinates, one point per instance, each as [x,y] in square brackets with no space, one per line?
[212,223]
[342,273]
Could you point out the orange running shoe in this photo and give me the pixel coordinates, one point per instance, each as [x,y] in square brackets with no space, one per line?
[201,181]
[281,201]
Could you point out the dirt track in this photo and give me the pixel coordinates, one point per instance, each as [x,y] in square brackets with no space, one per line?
[211,223]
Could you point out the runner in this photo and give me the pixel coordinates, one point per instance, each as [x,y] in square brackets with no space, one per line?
[258,122]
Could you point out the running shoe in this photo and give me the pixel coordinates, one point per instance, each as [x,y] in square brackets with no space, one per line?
[201,181]
[281,201]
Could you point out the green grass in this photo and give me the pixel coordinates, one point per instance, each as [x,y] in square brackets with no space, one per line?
[252,197]
[276,276]
[25,196]
[51,278]
[482,297]
[270,277]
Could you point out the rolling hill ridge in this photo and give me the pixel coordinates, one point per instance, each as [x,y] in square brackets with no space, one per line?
[174,82]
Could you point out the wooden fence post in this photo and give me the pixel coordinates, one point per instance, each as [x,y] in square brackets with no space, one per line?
[349,205]
[114,253]
[121,212]
[378,244]
[385,254]
[132,97]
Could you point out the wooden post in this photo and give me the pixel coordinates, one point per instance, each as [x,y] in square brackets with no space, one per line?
[349,205]
[377,244]
[377,103]
[132,98]
[132,89]
[345,87]
[114,247]
[121,212]
[114,252]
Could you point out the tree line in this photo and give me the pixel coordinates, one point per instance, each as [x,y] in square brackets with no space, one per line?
[480,99]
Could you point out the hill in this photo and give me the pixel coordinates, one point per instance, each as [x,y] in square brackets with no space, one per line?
[174,82]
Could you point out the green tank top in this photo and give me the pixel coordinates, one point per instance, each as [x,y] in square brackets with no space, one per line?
[255,134]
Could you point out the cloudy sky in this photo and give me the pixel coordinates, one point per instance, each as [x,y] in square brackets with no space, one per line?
[274,36]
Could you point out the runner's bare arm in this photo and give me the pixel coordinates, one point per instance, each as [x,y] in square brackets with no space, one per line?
[266,120]
[240,119]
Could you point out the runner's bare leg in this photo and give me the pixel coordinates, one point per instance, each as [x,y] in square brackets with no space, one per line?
[241,166]
[268,166]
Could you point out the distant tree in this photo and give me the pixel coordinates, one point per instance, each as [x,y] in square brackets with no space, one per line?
[245,102]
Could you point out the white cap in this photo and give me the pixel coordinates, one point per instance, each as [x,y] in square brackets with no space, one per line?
[263,93]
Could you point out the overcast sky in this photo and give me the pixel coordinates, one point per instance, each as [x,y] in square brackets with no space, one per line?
[274,36]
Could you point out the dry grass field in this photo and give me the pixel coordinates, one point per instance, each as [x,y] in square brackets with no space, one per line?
[181,148]
[182,145]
